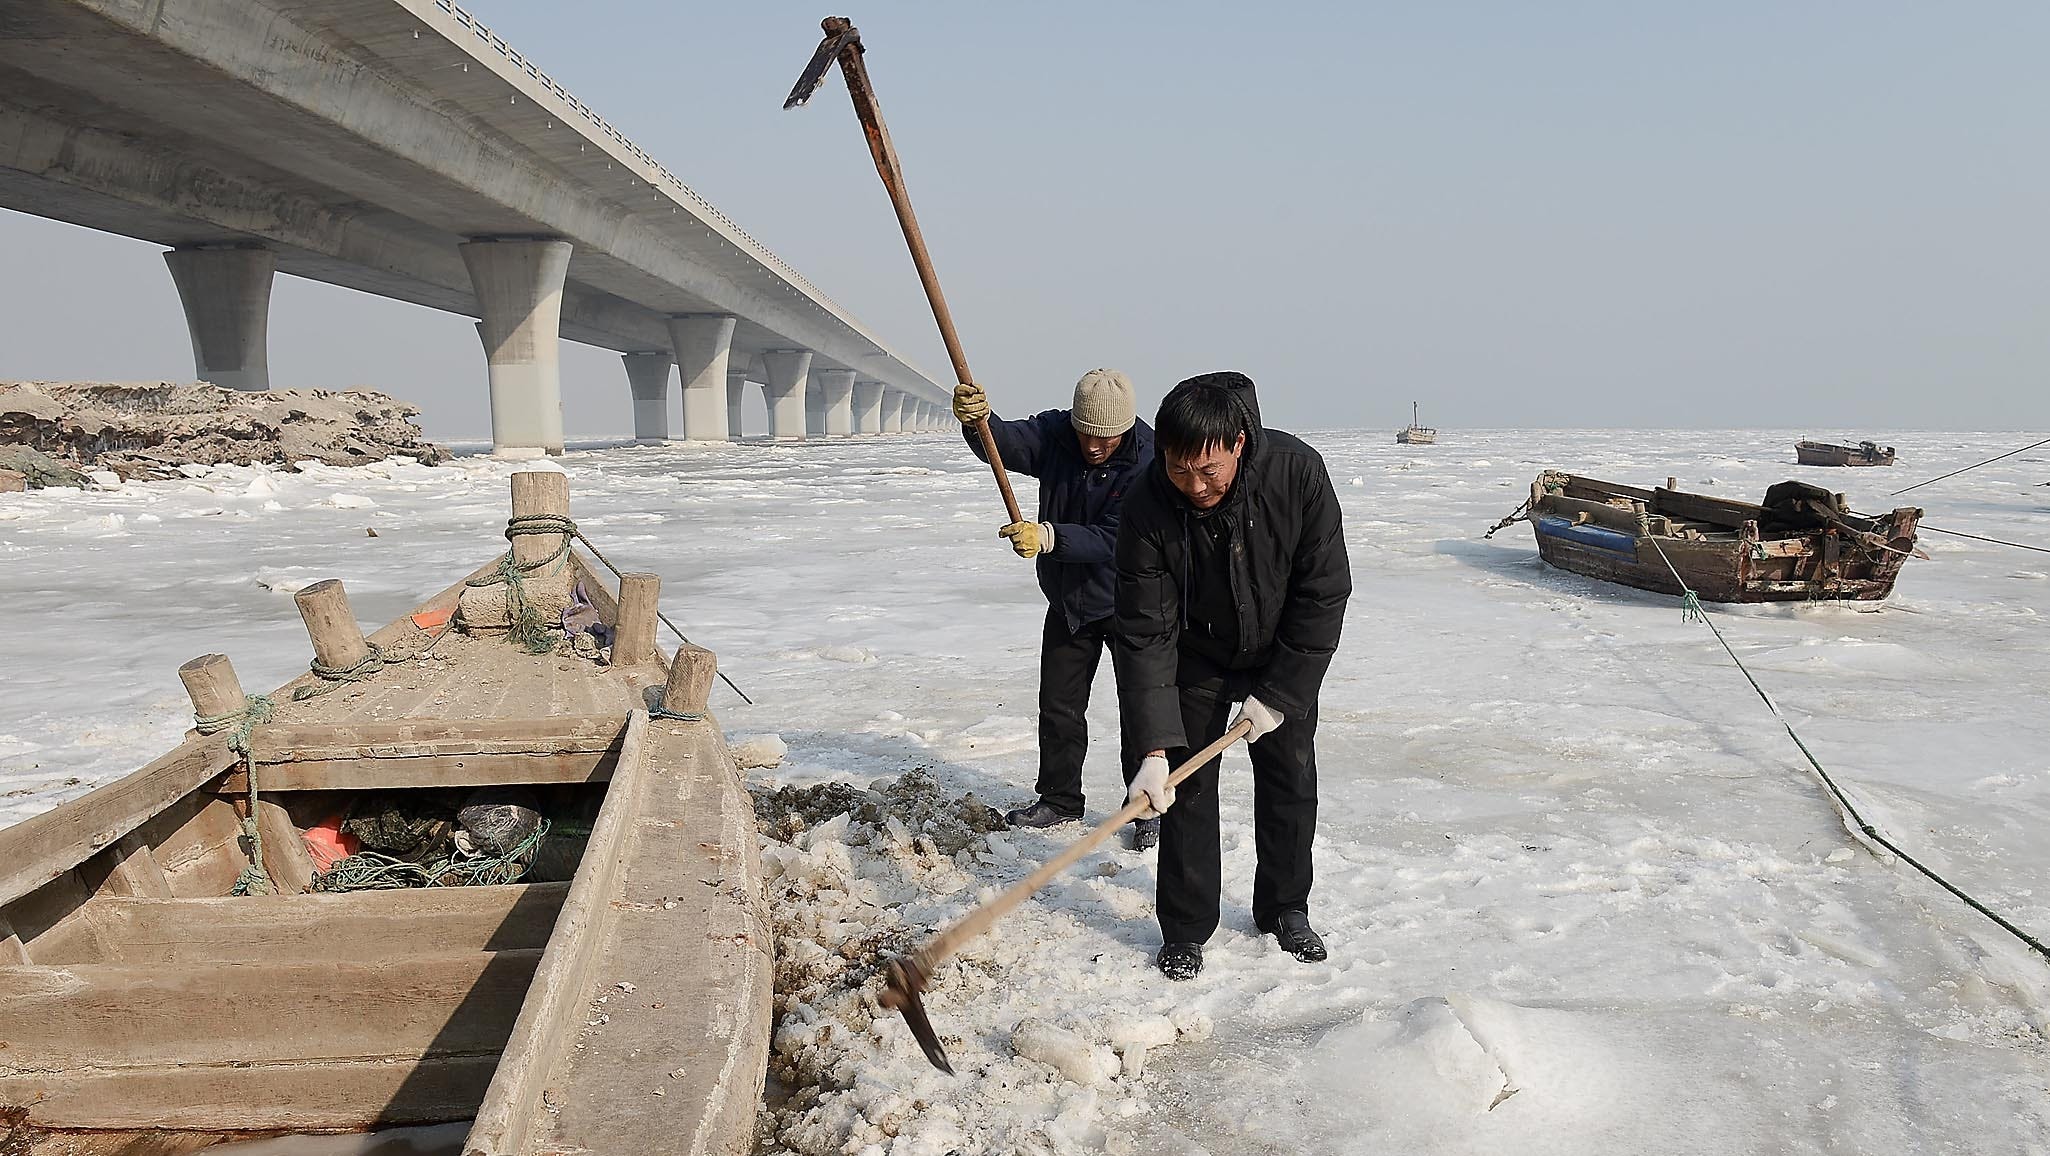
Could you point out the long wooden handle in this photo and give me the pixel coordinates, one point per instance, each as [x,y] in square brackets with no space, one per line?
[939,948]
[885,154]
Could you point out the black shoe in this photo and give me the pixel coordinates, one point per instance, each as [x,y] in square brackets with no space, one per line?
[1180,960]
[1041,814]
[1145,833]
[1292,929]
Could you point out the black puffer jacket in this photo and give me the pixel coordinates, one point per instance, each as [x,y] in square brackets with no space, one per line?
[1080,500]
[1286,568]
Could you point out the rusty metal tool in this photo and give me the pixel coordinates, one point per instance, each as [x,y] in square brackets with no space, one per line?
[843,43]
[908,976]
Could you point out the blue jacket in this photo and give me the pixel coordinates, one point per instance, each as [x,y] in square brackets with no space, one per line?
[1082,501]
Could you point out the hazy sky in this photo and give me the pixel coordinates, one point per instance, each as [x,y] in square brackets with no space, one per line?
[1827,215]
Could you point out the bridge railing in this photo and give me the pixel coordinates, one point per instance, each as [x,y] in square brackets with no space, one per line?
[756,249]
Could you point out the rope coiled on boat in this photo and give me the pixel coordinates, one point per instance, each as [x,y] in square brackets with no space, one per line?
[256,710]
[529,629]
[1691,610]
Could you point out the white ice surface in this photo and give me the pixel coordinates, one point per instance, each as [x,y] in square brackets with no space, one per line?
[1561,843]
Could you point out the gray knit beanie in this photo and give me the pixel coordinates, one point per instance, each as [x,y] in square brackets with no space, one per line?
[1105,405]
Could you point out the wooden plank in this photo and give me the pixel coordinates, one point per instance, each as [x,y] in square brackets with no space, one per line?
[1600,513]
[56,924]
[42,847]
[11,947]
[400,629]
[89,1017]
[290,1097]
[204,855]
[557,1004]
[288,744]
[699,959]
[1595,490]
[149,1142]
[285,858]
[131,869]
[1700,508]
[365,926]
[427,771]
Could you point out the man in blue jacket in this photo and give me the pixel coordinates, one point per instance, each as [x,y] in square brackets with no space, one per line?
[1085,459]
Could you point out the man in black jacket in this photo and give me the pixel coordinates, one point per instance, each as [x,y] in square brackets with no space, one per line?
[1085,458]
[1232,583]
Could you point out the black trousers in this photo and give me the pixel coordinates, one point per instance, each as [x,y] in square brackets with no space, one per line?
[1067,668]
[1284,818]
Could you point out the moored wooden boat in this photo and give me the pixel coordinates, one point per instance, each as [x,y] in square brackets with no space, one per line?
[1865,453]
[1416,435]
[1800,545]
[146,1008]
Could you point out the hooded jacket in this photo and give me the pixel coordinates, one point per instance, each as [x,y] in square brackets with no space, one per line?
[1082,502]
[1285,565]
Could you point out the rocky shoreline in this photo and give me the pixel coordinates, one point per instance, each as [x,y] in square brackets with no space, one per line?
[62,433]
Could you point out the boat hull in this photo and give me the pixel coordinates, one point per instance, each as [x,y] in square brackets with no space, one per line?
[1656,539]
[1826,454]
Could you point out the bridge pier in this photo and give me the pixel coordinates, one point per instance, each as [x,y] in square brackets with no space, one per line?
[866,405]
[736,392]
[893,410]
[226,294]
[783,373]
[815,404]
[647,374]
[519,292]
[838,387]
[703,344]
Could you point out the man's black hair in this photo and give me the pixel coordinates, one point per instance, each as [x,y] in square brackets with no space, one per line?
[1196,416]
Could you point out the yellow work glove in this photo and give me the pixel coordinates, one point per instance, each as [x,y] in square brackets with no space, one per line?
[971,405]
[1029,538]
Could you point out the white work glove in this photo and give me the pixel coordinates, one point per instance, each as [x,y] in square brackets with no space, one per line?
[1265,718]
[1151,784]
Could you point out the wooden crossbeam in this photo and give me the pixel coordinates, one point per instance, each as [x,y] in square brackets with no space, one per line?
[433,753]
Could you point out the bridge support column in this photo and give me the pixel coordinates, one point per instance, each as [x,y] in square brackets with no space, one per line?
[519,292]
[893,409]
[838,386]
[815,404]
[924,417]
[647,374]
[226,294]
[783,374]
[736,392]
[867,406]
[703,344]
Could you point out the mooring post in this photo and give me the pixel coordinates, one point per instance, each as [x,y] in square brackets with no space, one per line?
[690,680]
[633,640]
[538,492]
[337,639]
[1672,483]
[211,683]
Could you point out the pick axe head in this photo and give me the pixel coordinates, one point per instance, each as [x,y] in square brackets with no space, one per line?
[904,991]
[840,35]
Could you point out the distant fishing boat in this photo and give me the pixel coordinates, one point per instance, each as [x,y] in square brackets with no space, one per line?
[1866,453]
[1800,544]
[1416,435]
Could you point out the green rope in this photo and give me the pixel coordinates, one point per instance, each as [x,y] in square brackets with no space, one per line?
[374,871]
[1690,606]
[1836,793]
[333,677]
[256,710]
[528,628]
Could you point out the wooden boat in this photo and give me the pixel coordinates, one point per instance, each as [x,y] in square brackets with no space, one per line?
[146,1009]
[1829,454]
[1801,544]
[1416,435]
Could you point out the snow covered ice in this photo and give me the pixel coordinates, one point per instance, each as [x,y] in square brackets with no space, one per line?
[1581,893]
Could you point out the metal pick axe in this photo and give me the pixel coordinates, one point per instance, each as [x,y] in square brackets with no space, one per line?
[843,43]
[907,977]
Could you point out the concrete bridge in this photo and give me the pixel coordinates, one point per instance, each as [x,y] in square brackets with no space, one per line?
[400,148]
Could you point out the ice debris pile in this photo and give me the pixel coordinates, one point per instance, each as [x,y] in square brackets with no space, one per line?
[147,429]
[1048,1020]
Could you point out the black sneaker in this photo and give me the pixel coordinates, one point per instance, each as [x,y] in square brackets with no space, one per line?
[1041,814]
[1145,833]
[1180,960]
[1293,931]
